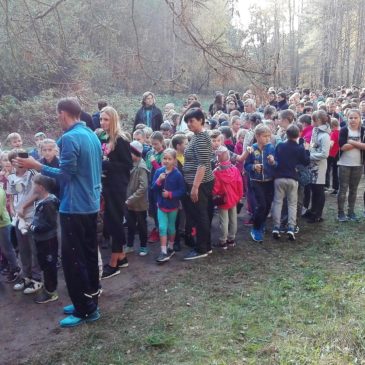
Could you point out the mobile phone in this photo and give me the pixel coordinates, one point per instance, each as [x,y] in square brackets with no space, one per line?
[23,154]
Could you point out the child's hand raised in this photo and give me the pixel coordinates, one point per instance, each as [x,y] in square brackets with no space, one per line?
[162,176]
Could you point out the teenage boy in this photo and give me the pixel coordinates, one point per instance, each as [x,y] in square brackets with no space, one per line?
[289,155]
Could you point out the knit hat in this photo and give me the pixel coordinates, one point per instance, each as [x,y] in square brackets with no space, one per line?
[221,149]
[136,148]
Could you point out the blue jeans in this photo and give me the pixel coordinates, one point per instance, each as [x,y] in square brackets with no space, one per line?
[7,247]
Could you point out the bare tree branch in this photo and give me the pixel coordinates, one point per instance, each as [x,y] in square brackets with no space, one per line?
[51,8]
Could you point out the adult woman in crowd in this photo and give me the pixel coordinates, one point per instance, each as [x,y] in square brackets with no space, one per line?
[319,151]
[218,104]
[352,146]
[199,180]
[149,114]
[117,163]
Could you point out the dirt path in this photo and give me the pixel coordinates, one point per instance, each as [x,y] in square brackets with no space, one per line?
[26,327]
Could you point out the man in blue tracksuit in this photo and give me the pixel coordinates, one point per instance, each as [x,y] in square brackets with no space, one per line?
[79,178]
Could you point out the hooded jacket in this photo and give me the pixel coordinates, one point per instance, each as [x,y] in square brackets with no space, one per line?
[44,225]
[228,182]
[260,157]
[137,190]
[319,151]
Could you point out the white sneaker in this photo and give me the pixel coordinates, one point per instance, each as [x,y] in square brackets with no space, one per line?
[22,284]
[33,287]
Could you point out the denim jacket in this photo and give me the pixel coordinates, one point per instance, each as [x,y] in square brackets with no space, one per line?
[260,157]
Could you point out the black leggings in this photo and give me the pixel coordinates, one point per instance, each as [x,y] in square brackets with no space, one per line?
[113,217]
[47,254]
[318,199]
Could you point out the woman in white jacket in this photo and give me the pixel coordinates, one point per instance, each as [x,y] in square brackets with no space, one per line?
[319,150]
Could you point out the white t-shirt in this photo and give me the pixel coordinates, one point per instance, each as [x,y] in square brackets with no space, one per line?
[351,157]
[21,189]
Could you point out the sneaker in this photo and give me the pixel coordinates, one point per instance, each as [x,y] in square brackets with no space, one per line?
[154,236]
[221,245]
[72,321]
[193,255]
[33,287]
[276,233]
[69,309]
[109,271]
[290,233]
[352,217]
[23,283]
[128,249]
[296,229]
[143,251]
[162,257]
[13,275]
[123,263]
[170,252]
[256,235]
[334,192]
[231,243]
[342,217]
[44,297]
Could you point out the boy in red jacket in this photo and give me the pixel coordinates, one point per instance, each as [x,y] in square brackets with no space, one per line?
[228,187]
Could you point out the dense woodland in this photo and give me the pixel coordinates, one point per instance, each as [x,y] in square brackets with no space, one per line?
[93,48]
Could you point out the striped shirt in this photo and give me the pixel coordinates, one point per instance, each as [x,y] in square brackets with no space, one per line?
[198,153]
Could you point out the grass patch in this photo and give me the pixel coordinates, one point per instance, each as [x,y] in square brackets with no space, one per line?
[301,303]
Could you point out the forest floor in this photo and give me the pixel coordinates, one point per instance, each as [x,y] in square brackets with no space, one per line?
[271,303]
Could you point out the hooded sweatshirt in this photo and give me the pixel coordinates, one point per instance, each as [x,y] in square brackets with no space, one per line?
[319,151]
[228,182]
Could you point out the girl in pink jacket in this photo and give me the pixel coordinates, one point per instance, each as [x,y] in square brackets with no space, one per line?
[227,192]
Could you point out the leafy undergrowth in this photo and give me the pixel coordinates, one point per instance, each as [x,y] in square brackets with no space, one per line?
[280,303]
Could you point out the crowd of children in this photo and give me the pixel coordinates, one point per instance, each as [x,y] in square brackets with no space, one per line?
[276,157]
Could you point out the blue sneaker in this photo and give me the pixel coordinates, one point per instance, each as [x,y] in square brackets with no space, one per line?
[72,321]
[143,251]
[69,309]
[256,235]
[352,217]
